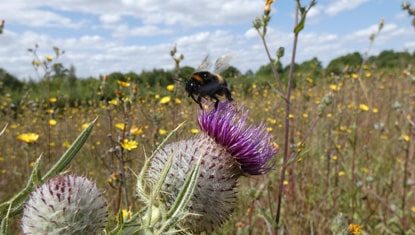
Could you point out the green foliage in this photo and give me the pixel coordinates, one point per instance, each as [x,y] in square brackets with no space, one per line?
[73,91]
[9,81]
[353,60]
[231,72]
[392,60]
[266,70]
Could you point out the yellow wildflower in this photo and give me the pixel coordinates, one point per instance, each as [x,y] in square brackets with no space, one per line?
[120,126]
[285,182]
[272,120]
[375,110]
[334,158]
[334,87]
[129,144]
[66,144]
[364,107]
[342,173]
[170,87]
[355,76]
[305,115]
[194,131]
[28,138]
[84,126]
[413,209]
[36,63]
[113,102]
[50,111]
[136,131]
[269,129]
[162,131]
[290,116]
[123,84]
[53,99]
[354,229]
[177,101]
[406,137]
[126,214]
[165,100]
[49,58]
[52,122]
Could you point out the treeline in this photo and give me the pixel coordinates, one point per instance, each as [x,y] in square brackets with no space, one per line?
[64,83]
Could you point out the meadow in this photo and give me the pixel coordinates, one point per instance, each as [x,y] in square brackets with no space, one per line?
[351,141]
[354,156]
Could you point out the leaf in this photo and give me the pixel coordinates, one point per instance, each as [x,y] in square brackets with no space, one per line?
[176,211]
[300,25]
[4,129]
[17,201]
[69,155]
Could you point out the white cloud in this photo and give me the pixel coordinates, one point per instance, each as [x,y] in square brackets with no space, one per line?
[109,18]
[123,31]
[343,5]
[25,13]
[409,45]
[111,46]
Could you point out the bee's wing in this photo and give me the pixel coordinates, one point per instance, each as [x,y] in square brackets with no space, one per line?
[222,63]
[205,65]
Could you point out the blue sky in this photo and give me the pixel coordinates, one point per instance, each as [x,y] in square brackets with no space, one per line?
[100,37]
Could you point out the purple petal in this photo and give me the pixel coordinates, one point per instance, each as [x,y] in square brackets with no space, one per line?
[250,145]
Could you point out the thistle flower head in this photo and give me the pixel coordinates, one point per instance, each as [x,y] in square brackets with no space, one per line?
[65,205]
[228,148]
[250,146]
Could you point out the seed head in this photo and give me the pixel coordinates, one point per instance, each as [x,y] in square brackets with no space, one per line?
[65,205]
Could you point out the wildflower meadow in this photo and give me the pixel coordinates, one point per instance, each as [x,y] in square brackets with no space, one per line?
[301,148]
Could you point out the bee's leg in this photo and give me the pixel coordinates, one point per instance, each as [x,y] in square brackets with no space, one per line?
[228,94]
[193,97]
[199,101]
[216,100]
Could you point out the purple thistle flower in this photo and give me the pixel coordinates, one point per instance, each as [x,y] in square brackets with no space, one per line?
[250,146]
[229,148]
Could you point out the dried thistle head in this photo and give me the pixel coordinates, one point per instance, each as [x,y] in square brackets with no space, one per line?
[65,205]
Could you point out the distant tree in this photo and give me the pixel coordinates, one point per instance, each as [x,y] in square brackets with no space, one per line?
[390,59]
[249,73]
[353,60]
[9,81]
[115,76]
[157,77]
[266,70]
[231,72]
[310,68]
[186,72]
[133,76]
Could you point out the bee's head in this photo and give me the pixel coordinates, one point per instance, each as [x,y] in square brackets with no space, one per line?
[191,86]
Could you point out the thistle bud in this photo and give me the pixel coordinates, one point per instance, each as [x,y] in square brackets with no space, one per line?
[65,205]
[257,24]
[229,149]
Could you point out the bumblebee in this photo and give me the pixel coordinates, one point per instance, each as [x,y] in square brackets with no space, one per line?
[203,84]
